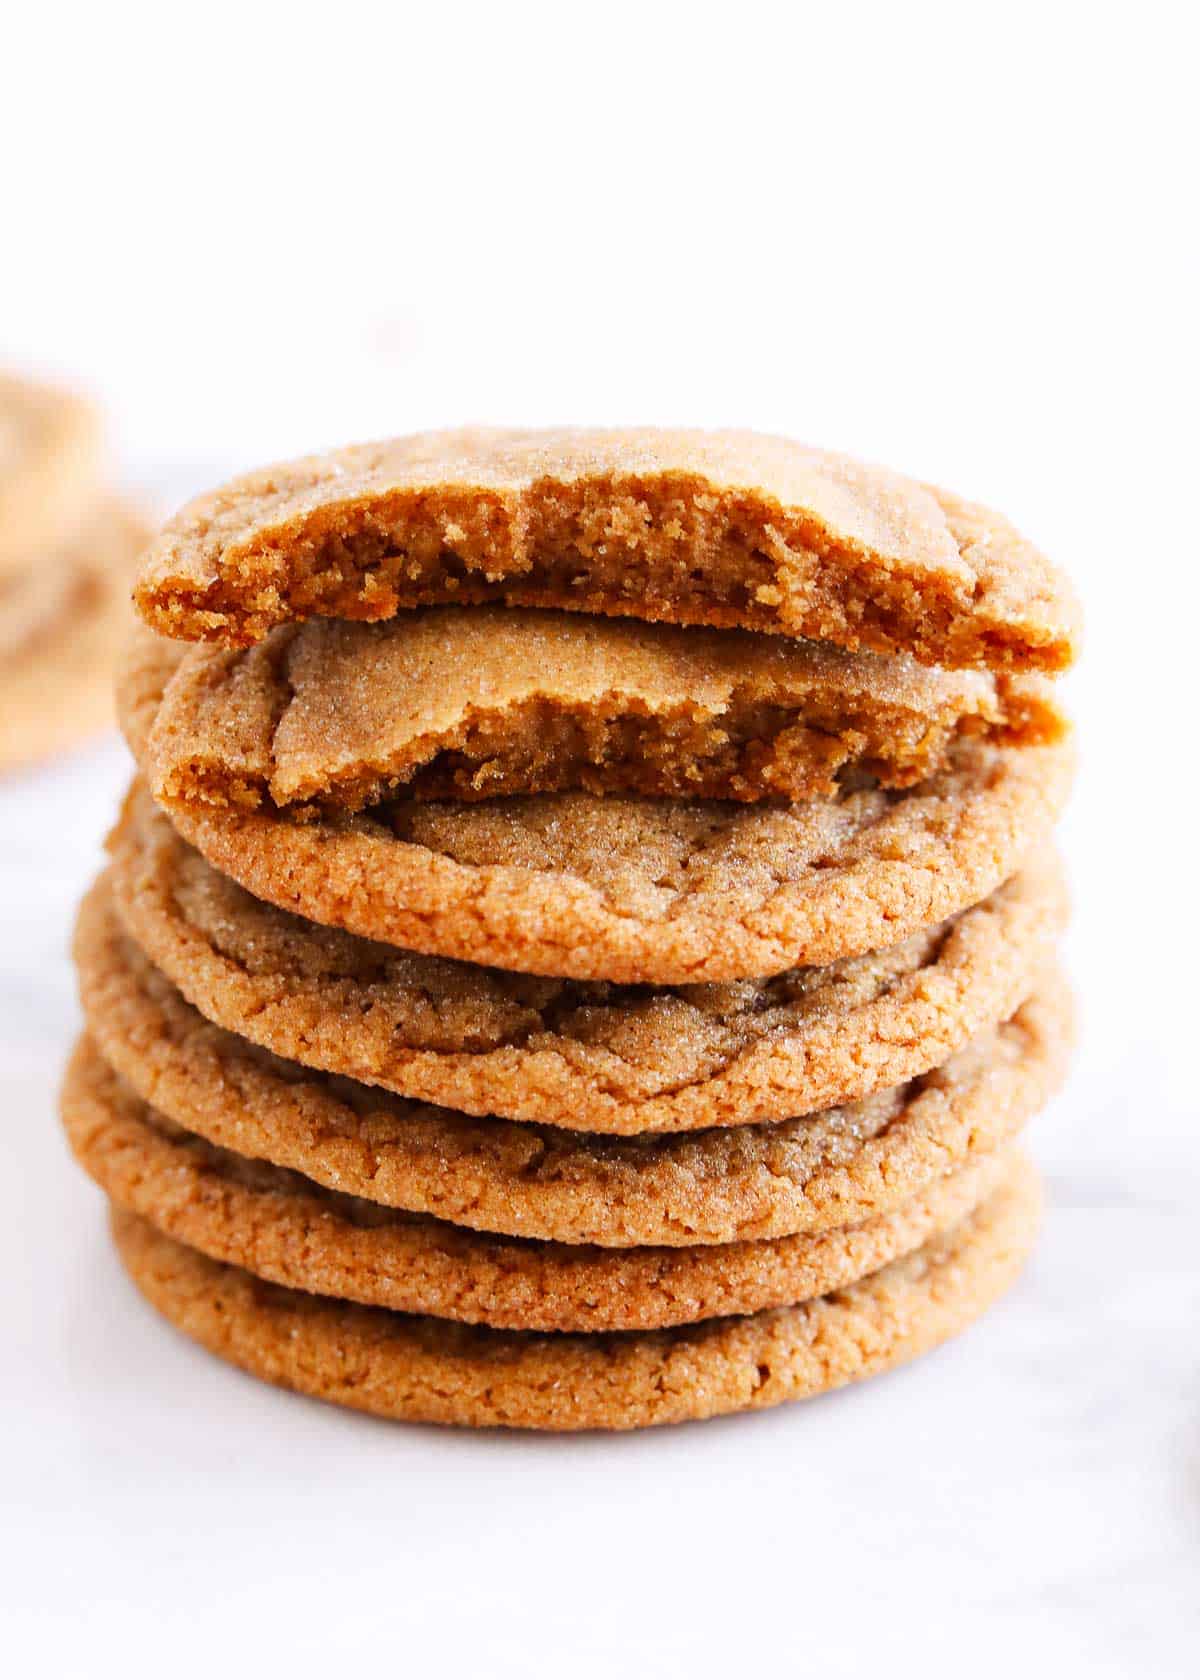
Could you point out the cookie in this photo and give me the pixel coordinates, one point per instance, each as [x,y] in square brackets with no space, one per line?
[478,702]
[56,679]
[733,529]
[806,1174]
[35,602]
[51,459]
[578,1054]
[627,889]
[290,1231]
[428,1370]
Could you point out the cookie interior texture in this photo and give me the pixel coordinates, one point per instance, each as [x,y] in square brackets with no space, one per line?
[580,1054]
[735,529]
[291,1231]
[427,1369]
[631,889]
[472,703]
[809,1173]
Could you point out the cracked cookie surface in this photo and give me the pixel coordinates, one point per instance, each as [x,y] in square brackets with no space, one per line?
[427,1369]
[631,889]
[581,1054]
[291,1231]
[738,1183]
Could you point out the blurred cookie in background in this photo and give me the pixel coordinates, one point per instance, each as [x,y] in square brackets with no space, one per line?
[68,550]
[52,468]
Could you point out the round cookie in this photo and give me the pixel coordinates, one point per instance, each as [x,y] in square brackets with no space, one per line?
[35,601]
[740,1183]
[290,1231]
[428,1370]
[634,890]
[51,457]
[720,527]
[56,679]
[581,1055]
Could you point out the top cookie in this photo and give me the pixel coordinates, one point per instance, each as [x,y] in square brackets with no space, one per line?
[733,529]
[50,460]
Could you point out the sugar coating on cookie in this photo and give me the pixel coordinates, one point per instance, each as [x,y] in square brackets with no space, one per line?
[479,702]
[736,529]
[425,1369]
[292,1231]
[630,889]
[804,1174]
[584,1055]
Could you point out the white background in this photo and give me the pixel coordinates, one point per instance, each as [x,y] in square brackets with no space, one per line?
[959,240]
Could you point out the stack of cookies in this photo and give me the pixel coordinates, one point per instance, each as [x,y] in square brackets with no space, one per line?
[579,949]
[68,549]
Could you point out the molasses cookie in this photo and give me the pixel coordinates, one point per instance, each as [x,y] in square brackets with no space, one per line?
[429,1370]
[630,889]
[586,1055]
[289,1230]
[735,529]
